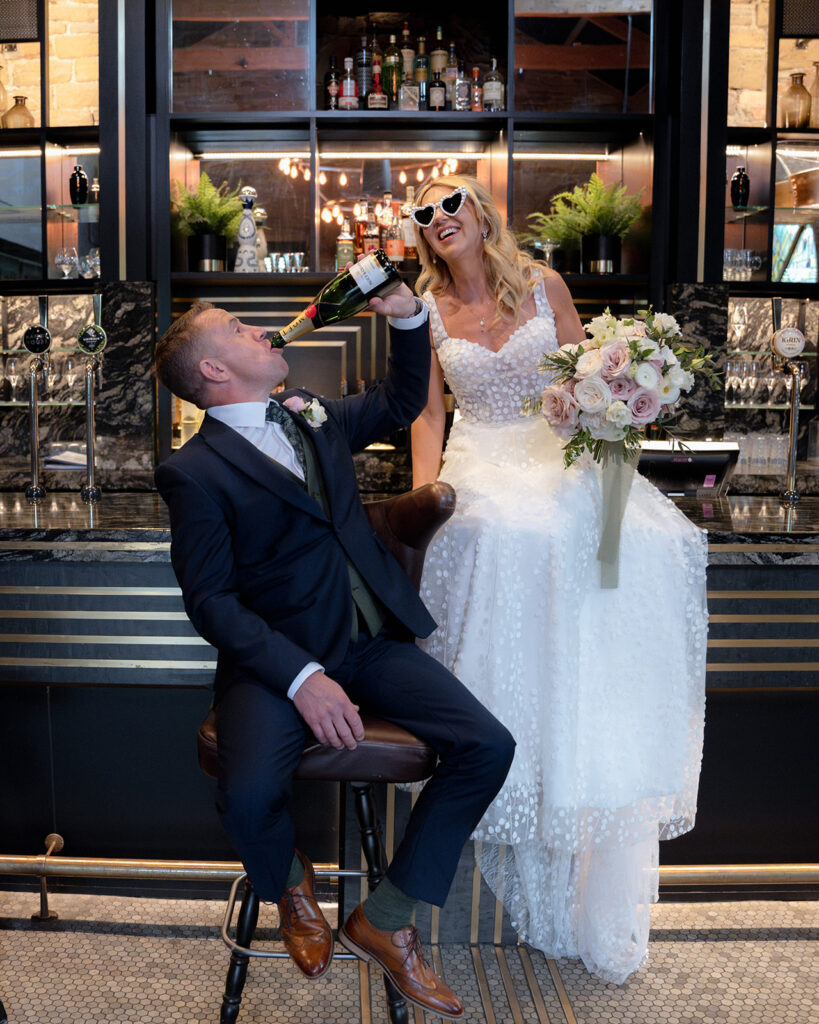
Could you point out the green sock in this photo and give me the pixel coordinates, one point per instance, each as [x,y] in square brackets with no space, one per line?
[295,875]
[388,908]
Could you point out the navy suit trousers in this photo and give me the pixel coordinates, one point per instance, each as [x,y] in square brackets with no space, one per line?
[261,738]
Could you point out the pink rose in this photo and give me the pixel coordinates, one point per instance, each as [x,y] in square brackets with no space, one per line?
[644,405]
[615,359]
[559,407]
[622,388]
[295,404]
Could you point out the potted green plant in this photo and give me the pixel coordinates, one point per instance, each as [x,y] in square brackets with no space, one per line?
[209,217]
[594,216]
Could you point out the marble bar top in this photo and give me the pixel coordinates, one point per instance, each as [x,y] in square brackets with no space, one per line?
[135,526]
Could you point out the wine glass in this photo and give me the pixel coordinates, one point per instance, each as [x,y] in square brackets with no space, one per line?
[770,380]
[739,322]
[547,246]
[804,377]
[742,381]
[72,373]
[752,372]
[55,377]
[66,260]
[13,375]
[93,261]
[730,370]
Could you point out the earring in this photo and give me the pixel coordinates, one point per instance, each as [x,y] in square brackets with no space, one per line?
[485,234]
[434,258]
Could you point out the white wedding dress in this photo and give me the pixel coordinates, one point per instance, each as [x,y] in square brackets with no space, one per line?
[603,690]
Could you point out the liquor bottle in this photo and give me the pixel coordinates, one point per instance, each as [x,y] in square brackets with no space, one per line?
[376,97]
[437,93]
[345,247]
[348,88]
[450,74]
[94,191]
[372,236]
[393,239]
[494,91]
[363,68]
[384,219]
[740,188]
[408,231]
[407,52]
[78,185]
[462,91]
[377,59]
[343,297]
[391,76]
[331,86]
[437,57]
[361,226]
[476,90]
[422,73]
[409,95]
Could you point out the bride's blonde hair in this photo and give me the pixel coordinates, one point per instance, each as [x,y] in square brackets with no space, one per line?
[510,272]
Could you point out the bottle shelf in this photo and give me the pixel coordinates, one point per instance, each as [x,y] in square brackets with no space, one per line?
[41,404]
[738,213]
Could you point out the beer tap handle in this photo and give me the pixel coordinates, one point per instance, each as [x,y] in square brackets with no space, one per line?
[776,313]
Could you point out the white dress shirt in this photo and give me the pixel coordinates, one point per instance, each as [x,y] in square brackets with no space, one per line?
[248,420]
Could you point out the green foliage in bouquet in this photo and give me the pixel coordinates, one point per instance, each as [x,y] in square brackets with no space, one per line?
[208,210]
[591,209]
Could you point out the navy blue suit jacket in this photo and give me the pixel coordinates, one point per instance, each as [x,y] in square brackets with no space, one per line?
[262,569]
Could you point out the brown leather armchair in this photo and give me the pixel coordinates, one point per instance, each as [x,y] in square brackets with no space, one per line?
[406,523]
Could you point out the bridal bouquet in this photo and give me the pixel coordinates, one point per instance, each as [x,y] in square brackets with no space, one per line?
[605,392]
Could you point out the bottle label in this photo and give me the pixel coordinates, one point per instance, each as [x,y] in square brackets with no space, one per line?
[437,96]
[368,273]
[437,61]
[409,97]
[332,88]
[345,253]
[370,244]
[378,101]
[492,93]
[301,325]
[394,248]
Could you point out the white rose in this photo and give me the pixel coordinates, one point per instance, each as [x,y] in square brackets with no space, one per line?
[589,363]
[668,391]
[619,414]
[600,428]
[649,348]
[602,328]
[633,330]
[667,355]
[664,323]
[688,383]
[315,414]
[677,375]
[592,394]
[645,376]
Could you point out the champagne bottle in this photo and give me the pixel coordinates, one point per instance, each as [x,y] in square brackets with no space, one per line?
[343,297]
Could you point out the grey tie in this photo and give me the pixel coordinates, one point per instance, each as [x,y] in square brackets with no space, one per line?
[276,414]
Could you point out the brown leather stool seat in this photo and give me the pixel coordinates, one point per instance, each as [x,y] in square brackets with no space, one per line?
[387,753]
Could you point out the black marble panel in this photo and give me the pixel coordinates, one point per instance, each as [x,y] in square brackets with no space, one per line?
[702,313]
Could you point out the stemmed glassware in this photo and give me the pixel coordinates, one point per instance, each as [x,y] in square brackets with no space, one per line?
[730,381]
[93,260]
[72,374]
[66,260]
[752,375]
[547,246]
[770,381]
[13,375]
[739,322]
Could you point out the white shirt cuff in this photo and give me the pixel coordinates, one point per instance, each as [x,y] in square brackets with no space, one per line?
[308,670]
[407,323]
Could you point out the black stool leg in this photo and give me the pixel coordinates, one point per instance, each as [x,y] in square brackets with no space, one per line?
[373,847]
[237,972]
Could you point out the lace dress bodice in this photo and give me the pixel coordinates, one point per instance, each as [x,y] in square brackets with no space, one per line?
[490,386]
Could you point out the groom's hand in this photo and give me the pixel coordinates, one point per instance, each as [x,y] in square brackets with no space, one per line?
[329,712]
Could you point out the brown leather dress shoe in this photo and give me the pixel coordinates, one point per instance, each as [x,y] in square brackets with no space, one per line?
[400,956]
[307,936]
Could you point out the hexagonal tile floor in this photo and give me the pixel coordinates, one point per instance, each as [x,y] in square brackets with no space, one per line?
[129,960]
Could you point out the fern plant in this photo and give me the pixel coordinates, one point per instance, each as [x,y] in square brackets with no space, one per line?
[208,210]
[591,209]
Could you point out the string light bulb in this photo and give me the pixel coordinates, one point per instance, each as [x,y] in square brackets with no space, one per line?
[402,177]
[307,174]
[435,172]
[419,175]
[342,179]
[357,210]
[445,170]
[294,172]
[322,178]
[326,216]
[336,210]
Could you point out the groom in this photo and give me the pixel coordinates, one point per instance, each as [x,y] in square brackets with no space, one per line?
[312,619]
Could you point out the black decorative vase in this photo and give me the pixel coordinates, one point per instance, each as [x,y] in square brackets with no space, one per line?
[207,252]
[78,186]
[600,254]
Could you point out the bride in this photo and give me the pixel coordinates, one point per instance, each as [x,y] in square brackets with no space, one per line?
[602,689]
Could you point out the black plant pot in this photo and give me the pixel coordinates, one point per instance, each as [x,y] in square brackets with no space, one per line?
[207,252]
[600,254]
[565,261]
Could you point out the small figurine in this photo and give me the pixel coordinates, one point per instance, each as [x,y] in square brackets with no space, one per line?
[247,259]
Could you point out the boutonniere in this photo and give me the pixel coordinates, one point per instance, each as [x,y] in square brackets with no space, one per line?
[313,412]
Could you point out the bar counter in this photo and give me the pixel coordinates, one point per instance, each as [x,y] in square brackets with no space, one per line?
[103,682]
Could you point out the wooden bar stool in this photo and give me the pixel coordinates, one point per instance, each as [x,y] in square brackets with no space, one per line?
[406,523]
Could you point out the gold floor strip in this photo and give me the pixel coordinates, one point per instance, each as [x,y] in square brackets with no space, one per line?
[483,986]
[534,987]
[765,642]
[438,967]
[739,874]
[93,613]
[750,595]
[389,824]
[762,666]
[97,591]
[509,985]
[364,991]
[434,924]
[150,664]
[91,545]
[763,618]
[418,1014]
[562,994]
[131,639]
[476,901]
[778,548]
[498,931]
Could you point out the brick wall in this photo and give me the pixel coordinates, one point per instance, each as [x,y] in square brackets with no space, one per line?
[73,53]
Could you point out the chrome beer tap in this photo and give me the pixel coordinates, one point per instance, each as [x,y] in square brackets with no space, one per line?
[787,344]
[37,340]
[91,340]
